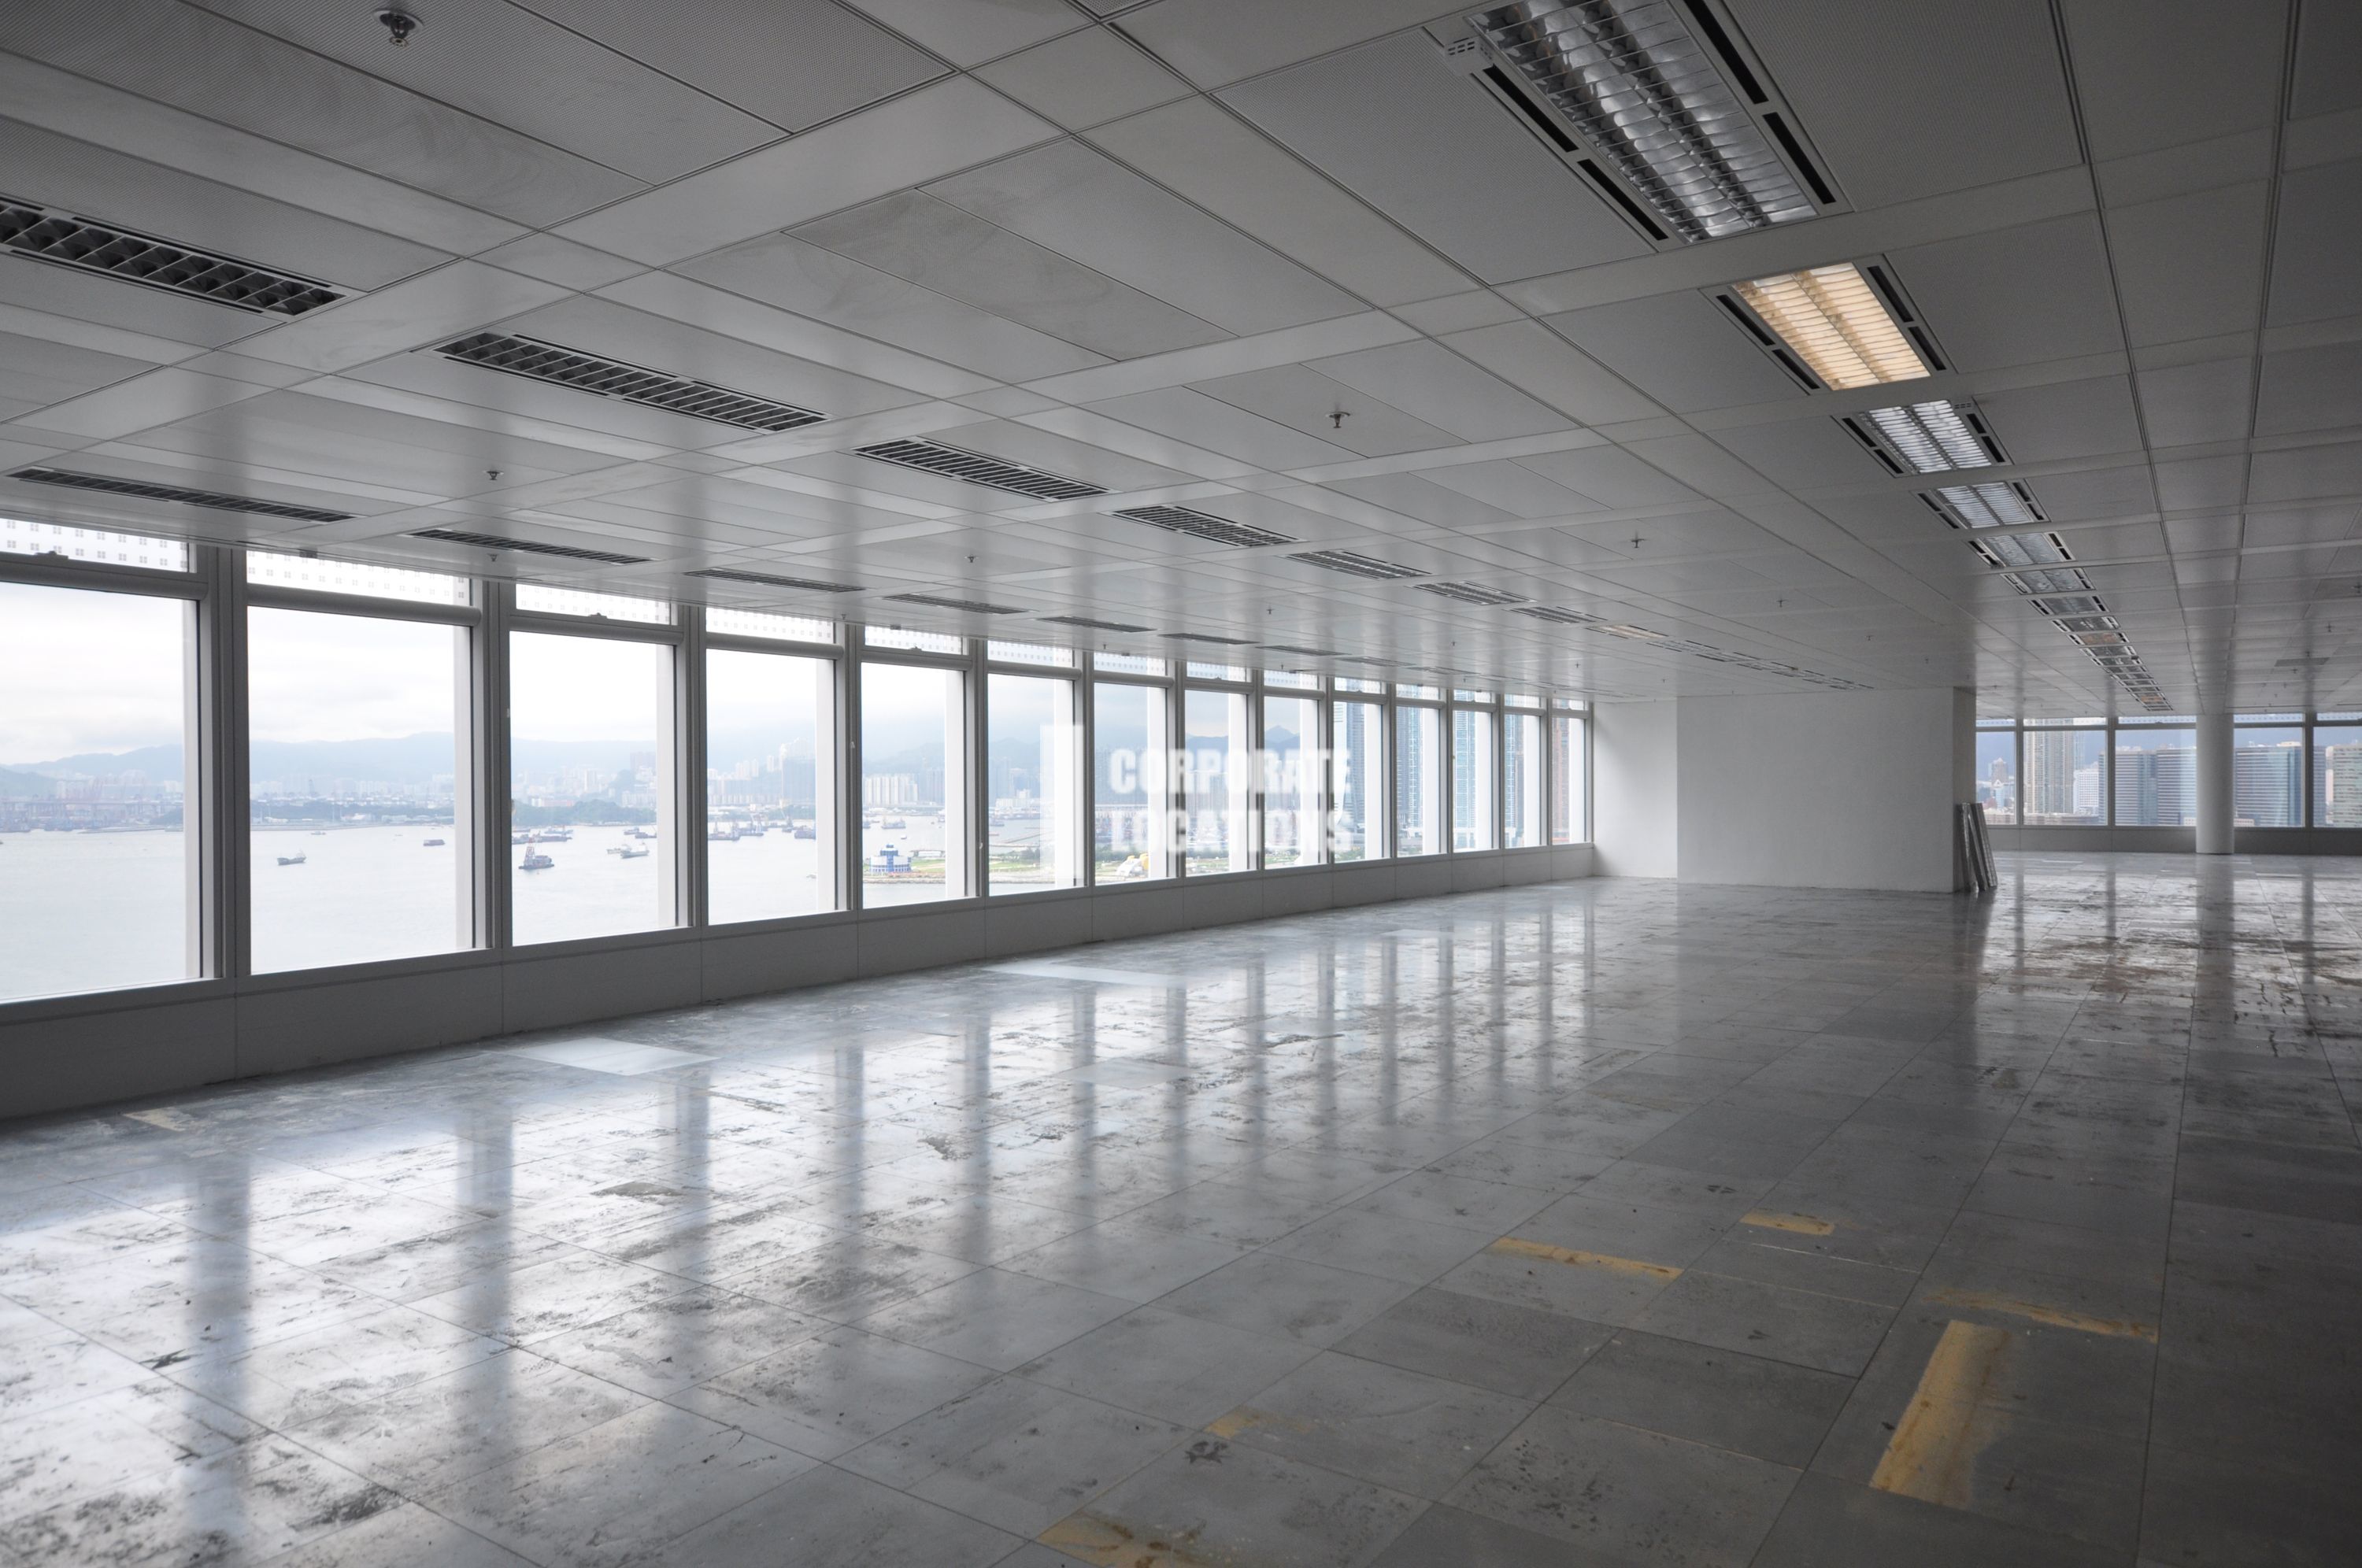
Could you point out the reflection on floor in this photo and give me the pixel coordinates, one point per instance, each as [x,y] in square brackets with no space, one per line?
[1607,1221]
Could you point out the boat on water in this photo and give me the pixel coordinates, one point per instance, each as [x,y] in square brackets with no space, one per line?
[432,844]
[294,859]
[631,852]
[719,835]
[640,832]
[805,830]
[536,861]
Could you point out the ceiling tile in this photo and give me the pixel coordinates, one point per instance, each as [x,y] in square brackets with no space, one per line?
[1085,79]
[968,31]
[1681,349]
[2018,296]
[1428,381]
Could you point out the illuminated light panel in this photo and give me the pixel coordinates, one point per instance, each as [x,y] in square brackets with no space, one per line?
[1632,78]
[1836,325]
[1933,438]
[1986,505]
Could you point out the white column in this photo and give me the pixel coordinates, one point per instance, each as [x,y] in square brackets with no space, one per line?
[2214,784]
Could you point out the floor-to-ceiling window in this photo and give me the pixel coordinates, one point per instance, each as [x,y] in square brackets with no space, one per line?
[1570,771]
[99,847]
[1291,768]
[914,752]
[1131,797]
[1521,773]
[771,840]
[2156,775]
[1418,771]
[1475,772]
[2268,769]
[592,767]
[2067,775]
[2337,770]
[360,767]
[1033,770]
[1218,782]
[1357,771]
[1997,786]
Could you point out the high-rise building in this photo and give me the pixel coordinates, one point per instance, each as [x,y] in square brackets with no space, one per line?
[2268,785]
[2341,786]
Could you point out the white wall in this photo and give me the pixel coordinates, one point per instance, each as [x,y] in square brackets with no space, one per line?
[1822,788]
[1635,754]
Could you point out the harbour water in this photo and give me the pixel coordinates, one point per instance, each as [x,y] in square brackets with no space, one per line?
[88,911]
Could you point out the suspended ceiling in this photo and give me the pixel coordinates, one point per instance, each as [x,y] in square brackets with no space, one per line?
[1159,249]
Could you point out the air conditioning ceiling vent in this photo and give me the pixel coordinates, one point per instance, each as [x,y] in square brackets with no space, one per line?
[1094,625]
[632,383]
[767,579]
[210,500]
[1471,592]
[974,468]
[526,546]
[45,235]
[1203,525]
[1354,565]
[972,606]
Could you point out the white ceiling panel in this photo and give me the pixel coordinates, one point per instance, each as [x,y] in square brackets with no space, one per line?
[1680,535]
[2311,389]
[1062,455]
[1941,98]
[2328,41]
[923,135]
[1414,497]
[2158,73]
[1610,476]
[1189,416]
[585,97]
[1679,349]
[2192,266]
[1085,79]
[1078,203]
[34,373]
[2205,401]
[2306,473]
[2319,233]
[1699,463]
[274,89]
[937,246]
[735,317]
[1425,144]
[793,62]
[1431,382]
[1515,491]
[1218,41]
[2064,419]
[1303,398]
[1529,356]
[968,31]
[2019,297]
[1197,150]
[1802,454]
[808,280]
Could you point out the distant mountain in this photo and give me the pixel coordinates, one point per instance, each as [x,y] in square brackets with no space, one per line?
[24,786]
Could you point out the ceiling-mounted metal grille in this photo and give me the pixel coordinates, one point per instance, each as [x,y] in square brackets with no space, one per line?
[1471,592]
[526,547]
[974,468]
[632,383]
[1207,637]
[1930,438]
[46,235]
[210,500]
[974,606]
[766,580]
[1556,616]
[1300,652]
[1094,625]
[1640,86]
[1990,505]
[1356,565]
[1202,525]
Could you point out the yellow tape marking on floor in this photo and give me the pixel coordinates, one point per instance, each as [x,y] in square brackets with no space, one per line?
[1801,1224]
[1512,1246]
[1933,1453]
[1112,1545]
[1248,1419]
[2056,1317]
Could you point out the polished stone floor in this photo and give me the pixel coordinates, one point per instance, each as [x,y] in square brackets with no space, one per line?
[1605,1222]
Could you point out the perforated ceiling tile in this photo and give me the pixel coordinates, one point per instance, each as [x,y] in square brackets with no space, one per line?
[1680,349]
[1430,382]
[2311,389]
[2320,230]
[1946,98]
[1610,476]
[1303,398]
[2018,296]
[931,243]
[1400,126]
[1083,205]
[2063,419]
[1186,414]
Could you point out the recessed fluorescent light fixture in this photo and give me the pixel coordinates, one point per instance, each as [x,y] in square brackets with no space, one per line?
[1836,324]
[1984,505]
[1934,437]
[1635,80]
